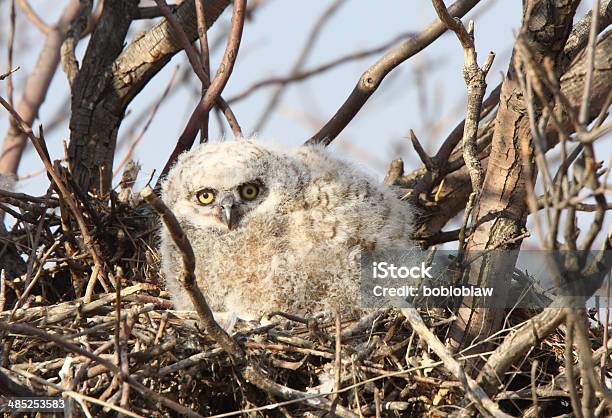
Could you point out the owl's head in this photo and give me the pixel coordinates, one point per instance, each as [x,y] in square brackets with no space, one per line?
[222,185]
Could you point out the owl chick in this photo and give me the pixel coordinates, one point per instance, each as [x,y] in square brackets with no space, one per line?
[275,229]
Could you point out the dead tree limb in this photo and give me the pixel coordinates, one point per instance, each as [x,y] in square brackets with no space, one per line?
[370,80]
[188,279]
[502,211]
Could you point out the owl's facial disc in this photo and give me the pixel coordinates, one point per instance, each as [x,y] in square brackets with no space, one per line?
[227,208]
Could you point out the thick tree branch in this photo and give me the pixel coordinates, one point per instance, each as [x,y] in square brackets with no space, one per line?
[371,79]
[502,211]
[94,131]
[91,85]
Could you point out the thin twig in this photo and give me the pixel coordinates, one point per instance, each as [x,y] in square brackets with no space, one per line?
[319,69]
[38,143]
[584,107]
[299,63]
[188,279]
[33,16]
[216,86]
[205,58]
[472,389]
[147,124]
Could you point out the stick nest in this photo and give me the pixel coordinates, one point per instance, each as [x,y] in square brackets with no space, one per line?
[385,365]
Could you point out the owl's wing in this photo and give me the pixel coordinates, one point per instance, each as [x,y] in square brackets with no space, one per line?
[347,205]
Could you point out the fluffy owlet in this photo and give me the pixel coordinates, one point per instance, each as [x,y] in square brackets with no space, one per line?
[277,229]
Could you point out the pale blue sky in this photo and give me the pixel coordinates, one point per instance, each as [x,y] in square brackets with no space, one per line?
[271,44]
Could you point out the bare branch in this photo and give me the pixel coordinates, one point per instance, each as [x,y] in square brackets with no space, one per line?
[205,57]
[188,279]
[426,159]
[584,108]
[580,35]
[299,63]
[471,387]
[216,86]
[152,12]
[305,74]
[373,76]
[77,27]
[476,86]
[35,89]
[33,17]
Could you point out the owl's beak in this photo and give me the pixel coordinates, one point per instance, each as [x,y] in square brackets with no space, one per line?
[227,205]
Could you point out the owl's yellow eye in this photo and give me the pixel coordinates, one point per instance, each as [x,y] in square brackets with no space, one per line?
[249,191]
[206,197]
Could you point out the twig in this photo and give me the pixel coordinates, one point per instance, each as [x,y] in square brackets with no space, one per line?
[33,16]
[426,159]
[216,86]
[377,406]
[190,50]
[9,53]
[475,80]
[151,12]
[337,362]
[38,143]
[145,127]
[569,367]
[67,50]
[2,289]
[229,58]
[299,63]
[5,75]
[534,393]
[321,68]
[188,279]
[473,390]
[584,107]
[580,34]
[205,58]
